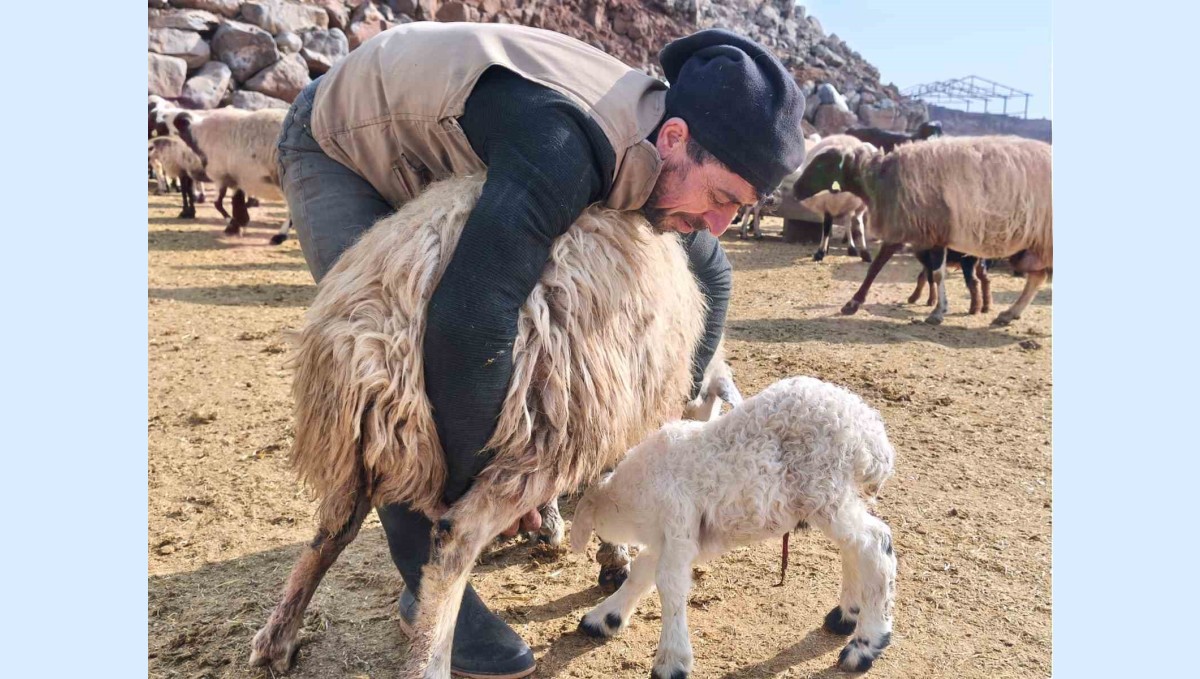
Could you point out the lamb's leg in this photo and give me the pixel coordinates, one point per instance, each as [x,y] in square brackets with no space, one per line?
[200,195]
[938,259]
[458,538]
[756,228]
[612,614]
[985,284]
[867,543]
[553,526]
[968,268]
[673,659]
[283,232]
[1033,281]
[275,644]
[241,216]
[826,231]
[614,565]
[843,618]
[885,253]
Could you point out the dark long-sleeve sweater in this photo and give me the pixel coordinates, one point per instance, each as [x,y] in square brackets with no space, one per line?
[547,161]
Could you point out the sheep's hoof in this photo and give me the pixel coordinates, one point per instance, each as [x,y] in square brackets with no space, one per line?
[912,299]
[985,309]
[278,655]
[759,237]
[672,674]
[866,256]
[818,255]
[934,319]
[611,579]
[598,628]
[251,202]
[851,307]
[278,238]
[860,654]
[851,251]
[1004,319]
[973,310]
[233,230]
[200,198]
[188,213]
[837,622]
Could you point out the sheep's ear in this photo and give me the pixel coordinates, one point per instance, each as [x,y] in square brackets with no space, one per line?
[581,525]
[728,391]
[183,122]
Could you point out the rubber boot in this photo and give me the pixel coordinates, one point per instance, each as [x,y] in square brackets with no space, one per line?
[484,645]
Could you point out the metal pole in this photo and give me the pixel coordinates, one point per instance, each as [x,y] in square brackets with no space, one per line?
[1026,116]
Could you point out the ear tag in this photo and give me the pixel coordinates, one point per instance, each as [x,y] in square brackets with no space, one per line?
[836,187]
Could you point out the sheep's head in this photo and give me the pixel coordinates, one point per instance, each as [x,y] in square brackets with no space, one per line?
[823,173]
[932,128]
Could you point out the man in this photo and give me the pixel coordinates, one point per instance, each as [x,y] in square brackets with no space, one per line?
[558,126]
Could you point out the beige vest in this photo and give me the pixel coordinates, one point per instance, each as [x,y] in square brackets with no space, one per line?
[389,110]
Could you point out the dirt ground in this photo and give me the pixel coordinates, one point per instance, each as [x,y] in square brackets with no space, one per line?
[968,409]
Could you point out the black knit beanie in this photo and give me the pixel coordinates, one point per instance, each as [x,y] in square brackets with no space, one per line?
[740,103]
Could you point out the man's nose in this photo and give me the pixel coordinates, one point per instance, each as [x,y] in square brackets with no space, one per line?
[718,220]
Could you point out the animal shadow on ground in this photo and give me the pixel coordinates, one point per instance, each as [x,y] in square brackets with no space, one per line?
[207,617]
[817,642]
[249,266]
[859,330]
[250,295]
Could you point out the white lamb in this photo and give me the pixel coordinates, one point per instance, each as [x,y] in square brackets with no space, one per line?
[801,452]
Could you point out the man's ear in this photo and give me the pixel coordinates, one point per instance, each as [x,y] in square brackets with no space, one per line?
[673,134]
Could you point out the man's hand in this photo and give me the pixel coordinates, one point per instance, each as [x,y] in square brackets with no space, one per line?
[532,521]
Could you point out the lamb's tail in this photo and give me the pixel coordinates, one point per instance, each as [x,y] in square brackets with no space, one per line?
[875,463]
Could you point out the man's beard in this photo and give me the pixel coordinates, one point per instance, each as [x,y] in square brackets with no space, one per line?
[671,175]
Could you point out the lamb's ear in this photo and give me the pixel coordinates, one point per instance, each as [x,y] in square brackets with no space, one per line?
[728,391]
[581,524]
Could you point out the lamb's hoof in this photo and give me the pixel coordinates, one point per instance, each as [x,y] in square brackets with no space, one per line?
[200,198]
[836,622]
[818,255]
[851,307]
[251,202]
[188,213]
[985,309]
[759,237]
[611,579]
[851,251]
[233,230]
[278,656]
[600,628]
[866,256]
[934,319]
[1004,319]
[278,238]
[912,299]
[674,674]
[860,654]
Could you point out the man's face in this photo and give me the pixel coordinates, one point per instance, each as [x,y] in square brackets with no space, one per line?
[692,196]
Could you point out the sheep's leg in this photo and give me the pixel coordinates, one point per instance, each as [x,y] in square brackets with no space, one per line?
[241,216]
[844,617]
[160,178]
[1033,281]
[985,284]
[614,566]
[553,526]
[200,195]
[938,260]
[885,253]
[275,644]
[756,228]
[673,659]
[921,277]
[187,191]
[866,542]
[968,268]
[220,204]
[612,614]
[458,538]
[826,231]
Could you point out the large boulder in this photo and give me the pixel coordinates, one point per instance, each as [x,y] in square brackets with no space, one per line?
[456,11]
[336,10]
[245,49]
[187,45]
[166,75]
[418,9]
[832,119]
[288,42]
[254,101]
[323,48]
[885,118]
[279,16]
[283,79]
[227,8]
[207,87]
[184,19]
[365,23]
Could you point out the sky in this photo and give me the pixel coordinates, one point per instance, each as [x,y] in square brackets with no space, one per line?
[921,41]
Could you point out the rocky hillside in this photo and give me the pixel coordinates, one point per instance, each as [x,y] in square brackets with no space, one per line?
[261,53]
